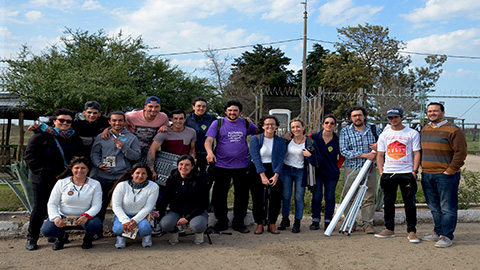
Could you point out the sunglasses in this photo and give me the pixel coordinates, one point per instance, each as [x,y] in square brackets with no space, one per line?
[62,121]
[329,123]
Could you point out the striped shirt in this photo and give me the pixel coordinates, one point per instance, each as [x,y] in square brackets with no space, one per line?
[353,143]
[444,148]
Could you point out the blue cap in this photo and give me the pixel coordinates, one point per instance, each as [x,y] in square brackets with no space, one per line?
[394,111]
[152,99]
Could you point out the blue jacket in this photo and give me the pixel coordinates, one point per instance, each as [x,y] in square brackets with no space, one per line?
[201,125]
[330,152]
[279,150]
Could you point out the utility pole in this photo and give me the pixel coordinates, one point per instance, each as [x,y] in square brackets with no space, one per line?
[303,109]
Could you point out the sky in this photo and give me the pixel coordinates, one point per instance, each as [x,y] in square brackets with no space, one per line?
[173,28]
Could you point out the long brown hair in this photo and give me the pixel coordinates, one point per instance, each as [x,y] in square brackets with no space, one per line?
[75,160]
[129,174]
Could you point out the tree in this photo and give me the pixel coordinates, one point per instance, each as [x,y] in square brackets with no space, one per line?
[115,71]
[367,58]
[315,68]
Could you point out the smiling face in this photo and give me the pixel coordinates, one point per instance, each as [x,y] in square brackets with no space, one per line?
[63,122]
[117,122]
[151,110]
[269,126]
[91,115]
[80,171]
[297,128]
[139,175]
[395,121]
[232,113]
[435,114]
[329,124]
[200,108]
[358,118]
[185,167]
[178,121]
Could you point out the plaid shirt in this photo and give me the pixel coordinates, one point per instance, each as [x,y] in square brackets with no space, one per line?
[353,143]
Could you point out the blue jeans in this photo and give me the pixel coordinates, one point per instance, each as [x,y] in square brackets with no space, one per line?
[93,226]
[290,176]
[144,228]
[330,187]
[198,224]
[441,194]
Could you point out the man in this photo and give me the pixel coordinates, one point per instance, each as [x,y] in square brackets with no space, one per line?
[145,123]
[231,161]
[444,149]
[178,139]
[112,157]
[398,160]
[89,123]
[357,141]
[199,120]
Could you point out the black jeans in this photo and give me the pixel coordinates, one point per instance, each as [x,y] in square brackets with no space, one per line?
[259,193]
[408,186]
[107,191]
[221,187]
[41,194]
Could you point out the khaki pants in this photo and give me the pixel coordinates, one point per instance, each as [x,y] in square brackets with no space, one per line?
[368,204]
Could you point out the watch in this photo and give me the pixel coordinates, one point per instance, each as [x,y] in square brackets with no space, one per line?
[415,171]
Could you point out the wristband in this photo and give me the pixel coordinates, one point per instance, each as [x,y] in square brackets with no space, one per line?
[415,171]
[86,215]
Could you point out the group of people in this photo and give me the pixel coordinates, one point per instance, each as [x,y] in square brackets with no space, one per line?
[82,163]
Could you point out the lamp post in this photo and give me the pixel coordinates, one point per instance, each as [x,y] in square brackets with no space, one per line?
[303,110]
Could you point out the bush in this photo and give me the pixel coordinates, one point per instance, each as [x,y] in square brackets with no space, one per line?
[469,189]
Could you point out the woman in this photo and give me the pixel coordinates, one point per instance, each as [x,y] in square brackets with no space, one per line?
[47,155]
[74,201]
[327,173]
[300,152]
[267,151]
[186,193]
[133,199]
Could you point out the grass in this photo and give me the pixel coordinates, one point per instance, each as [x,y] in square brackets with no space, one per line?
[10,201]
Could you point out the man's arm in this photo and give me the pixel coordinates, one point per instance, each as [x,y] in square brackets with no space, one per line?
[417,158]
[192,149]
[380,162]
[209,148]
[152,151]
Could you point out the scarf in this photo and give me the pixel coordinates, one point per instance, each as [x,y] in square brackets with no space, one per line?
[137,186]
[56,132]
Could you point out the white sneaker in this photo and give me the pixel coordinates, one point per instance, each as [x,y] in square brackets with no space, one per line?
[198,240]
[147,241]
[443,242]
[121,242]
[173,238]
[431,237]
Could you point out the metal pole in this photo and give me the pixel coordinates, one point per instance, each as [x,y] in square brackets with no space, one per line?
[304,68]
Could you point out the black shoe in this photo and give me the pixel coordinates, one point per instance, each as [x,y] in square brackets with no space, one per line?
[326,225]
[31,244]
[97,236]
[60,242]
[296,226]
[220,227]
[87,241]
[315,225]
[51,239]
[284,224]
[240,228]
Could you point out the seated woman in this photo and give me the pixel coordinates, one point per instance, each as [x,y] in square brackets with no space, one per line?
[133,199]
[76,198]
[267,151]
[186,193]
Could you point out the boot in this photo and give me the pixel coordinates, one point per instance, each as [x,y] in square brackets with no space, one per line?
[272,229]
[327,223]
[31,244]
[296,226]
[284,224]
[315,225]
[60,242]
[173,240]
[87,241]
[198,240]
[259,229]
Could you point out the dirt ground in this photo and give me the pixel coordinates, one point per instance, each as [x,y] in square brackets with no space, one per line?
[306,250]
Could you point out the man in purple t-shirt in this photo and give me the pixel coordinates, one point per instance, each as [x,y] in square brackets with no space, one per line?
[231,162]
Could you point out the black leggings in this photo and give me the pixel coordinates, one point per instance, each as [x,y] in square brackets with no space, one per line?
[260,191]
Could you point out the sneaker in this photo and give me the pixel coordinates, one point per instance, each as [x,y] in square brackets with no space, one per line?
[431,237]
[147,241]
[157,232]
[121,242]
[241,228]
[315,225]
[198,240]
[32,244]
[60,242]
[385,234]
[412,237]
[368,229]
[443,242]
[173,240]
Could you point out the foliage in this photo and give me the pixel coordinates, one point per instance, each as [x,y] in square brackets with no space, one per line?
[114,70]
[21,172]
[469,189]
[315,68]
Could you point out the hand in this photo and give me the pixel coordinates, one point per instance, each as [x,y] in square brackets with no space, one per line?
[60,223]
[373,146]
[248,119]
[182,221]
[80,221]
[103,168]
[306,153]
[154,175]
[105,134]
[126,227]
[118,143]
[445,172]
[131,225]
[288,136]
[211,158]
[414,175]
[370,156]
[163,129]
[265,180]
[273,181]
[33,127]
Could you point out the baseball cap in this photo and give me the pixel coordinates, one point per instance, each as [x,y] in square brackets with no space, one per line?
[152,99]
[394,111]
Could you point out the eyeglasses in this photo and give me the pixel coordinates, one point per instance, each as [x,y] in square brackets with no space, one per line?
[270,125]
[62,121]
[329,123]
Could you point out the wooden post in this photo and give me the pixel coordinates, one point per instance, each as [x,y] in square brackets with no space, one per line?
[21,135]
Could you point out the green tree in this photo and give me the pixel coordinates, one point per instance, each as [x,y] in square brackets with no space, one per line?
[315,68]
[114,70]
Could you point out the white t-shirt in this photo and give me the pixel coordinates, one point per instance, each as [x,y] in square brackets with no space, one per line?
[294,156]
[398,146]
[266,150]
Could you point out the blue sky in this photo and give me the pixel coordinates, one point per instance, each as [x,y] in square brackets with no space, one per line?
[449,27]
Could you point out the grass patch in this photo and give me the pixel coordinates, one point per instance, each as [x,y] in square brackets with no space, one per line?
[10,201]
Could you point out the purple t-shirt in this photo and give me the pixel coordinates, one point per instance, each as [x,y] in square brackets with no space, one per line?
[232,148]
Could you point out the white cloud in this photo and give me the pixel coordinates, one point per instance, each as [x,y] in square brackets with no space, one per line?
[460,42]
[91,5]
[63,5]
[285,11]
[441,10]
[33,16]
[338,12]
